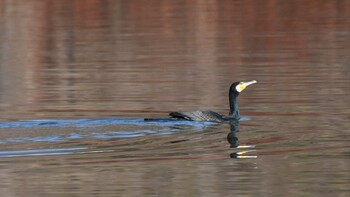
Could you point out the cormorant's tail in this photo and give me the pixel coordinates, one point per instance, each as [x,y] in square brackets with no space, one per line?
[179,116]
[159,119]
[174,116]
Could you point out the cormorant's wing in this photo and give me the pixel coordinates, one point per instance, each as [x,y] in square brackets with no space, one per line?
[199,116]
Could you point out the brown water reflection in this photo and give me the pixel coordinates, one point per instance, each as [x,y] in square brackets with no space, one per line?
[96,59]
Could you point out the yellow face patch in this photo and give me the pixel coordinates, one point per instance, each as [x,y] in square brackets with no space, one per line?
[240,87]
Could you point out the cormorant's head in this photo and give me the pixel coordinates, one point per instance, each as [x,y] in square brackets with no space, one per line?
[240,86]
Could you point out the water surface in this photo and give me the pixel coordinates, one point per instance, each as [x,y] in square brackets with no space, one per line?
[78,77]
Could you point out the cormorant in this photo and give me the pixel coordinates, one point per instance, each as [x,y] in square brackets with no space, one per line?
[202,116]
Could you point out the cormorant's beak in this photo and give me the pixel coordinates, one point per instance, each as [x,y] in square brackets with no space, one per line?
[249,83]
[241,86]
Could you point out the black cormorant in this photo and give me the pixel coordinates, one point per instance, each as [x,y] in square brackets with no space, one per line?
[211,116]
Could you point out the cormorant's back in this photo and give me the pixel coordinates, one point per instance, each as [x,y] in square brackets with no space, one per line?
[199,116]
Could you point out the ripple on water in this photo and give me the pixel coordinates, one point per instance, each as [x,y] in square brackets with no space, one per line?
[123,137]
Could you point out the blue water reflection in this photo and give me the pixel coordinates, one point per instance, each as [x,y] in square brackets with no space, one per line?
[98,122]
[95,128]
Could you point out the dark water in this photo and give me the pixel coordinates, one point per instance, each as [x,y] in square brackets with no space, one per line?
[77,77]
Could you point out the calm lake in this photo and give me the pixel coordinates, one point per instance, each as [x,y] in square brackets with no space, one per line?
[78,77]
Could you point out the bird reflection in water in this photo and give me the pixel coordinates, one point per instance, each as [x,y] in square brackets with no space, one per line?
[234,143]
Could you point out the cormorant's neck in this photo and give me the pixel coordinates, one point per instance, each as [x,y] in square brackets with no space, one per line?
[234,109]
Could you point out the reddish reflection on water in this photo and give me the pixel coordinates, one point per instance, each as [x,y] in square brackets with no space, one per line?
[104,58]
[93,59]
